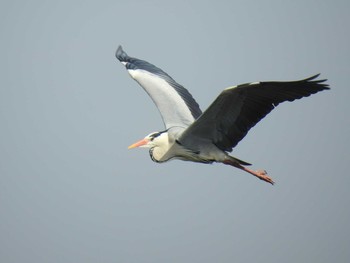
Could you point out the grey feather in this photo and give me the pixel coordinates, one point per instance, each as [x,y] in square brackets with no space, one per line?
[236,110]
[135,63]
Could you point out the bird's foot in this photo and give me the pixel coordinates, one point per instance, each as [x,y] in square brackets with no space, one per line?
[262,175]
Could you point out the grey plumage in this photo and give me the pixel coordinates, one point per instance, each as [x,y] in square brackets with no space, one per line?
[208,137]
[134,64]
[236,110]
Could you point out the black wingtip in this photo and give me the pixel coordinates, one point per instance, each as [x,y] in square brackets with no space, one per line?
[120,54]
[320,82]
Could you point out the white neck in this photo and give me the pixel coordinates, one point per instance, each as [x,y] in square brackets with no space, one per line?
[160,146]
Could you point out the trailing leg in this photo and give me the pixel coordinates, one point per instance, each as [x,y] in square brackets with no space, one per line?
[261,174]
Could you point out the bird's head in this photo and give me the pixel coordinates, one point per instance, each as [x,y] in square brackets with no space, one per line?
[154,139]
[158,142]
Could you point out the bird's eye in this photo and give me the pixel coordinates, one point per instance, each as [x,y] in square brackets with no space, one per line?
[154,135]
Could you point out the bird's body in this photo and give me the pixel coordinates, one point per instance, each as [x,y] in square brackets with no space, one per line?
[207,137]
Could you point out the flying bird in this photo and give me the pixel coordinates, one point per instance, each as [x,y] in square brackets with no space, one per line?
[208,137]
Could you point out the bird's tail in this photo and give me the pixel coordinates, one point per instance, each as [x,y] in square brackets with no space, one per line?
[238,160]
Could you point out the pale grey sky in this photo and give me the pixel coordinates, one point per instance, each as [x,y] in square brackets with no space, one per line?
[70,191]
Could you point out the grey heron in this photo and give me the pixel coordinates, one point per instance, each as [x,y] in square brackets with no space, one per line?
[208,137]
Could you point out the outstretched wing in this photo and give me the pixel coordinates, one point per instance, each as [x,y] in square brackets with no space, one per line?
[237,109]
[175,104]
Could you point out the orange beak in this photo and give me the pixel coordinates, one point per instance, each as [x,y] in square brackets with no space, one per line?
[139,143]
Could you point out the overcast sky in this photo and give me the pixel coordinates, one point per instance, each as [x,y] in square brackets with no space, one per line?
[71,191]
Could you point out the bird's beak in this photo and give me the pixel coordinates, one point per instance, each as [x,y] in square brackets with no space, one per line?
[139,143]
